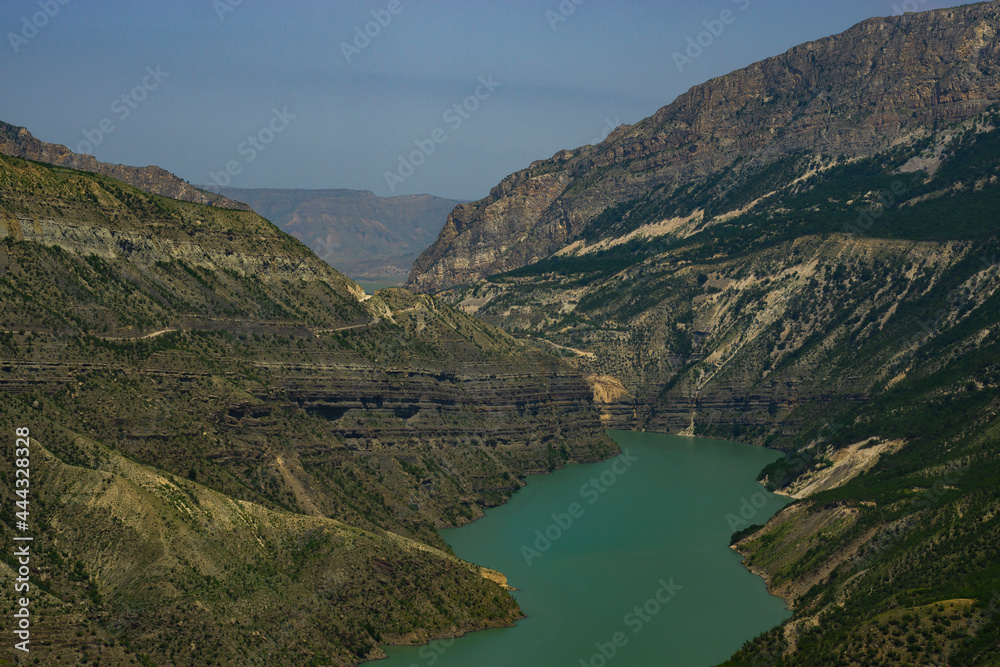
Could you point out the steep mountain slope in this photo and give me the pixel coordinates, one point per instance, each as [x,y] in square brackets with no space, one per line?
[351,230]
[237,457]
[783,326]
[851,95]
[18,142]
[836,296]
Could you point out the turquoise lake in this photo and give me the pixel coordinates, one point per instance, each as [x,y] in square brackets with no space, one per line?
[624,562]
[371,286]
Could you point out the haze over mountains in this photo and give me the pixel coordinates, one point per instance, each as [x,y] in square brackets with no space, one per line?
[354,231]
[243,459]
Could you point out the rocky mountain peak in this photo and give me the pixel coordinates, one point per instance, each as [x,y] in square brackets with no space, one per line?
[19,142]
[849,95]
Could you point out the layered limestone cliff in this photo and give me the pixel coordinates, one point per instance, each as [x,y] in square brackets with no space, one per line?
[259,436]
[851,95]
[803,254]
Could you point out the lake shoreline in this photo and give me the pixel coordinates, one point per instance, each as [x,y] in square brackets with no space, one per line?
[749,486]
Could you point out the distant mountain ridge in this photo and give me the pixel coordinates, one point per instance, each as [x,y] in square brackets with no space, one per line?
[854,95]
[353,230]
[19,142]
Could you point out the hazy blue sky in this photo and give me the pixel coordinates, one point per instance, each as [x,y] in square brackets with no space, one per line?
[199,77]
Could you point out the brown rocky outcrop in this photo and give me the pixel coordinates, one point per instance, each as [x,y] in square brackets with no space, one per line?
[17,141]
[853,94]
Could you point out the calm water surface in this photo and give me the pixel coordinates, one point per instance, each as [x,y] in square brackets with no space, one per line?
[372,286]
[622,563]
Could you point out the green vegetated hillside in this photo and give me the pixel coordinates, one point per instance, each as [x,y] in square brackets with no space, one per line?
[846,311]
[237,457]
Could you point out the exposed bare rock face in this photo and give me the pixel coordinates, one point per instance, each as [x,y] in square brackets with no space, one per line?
[17,141]
[849,95]
[804,254]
